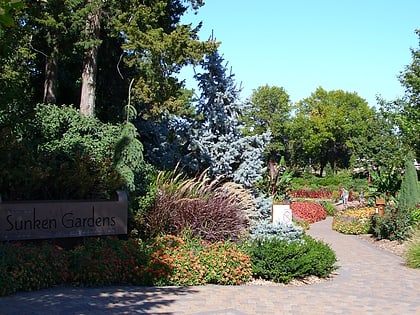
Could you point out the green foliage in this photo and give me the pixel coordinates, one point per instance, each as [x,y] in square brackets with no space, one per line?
[7,8]
[328,206]
[128,159]
[415,216]
[407,112]
[329,170]
[281,185]
[409,195]
[64,129]
[211,209]
[109,261]
[385,181]
[269,110]
[394,225]
[283,260]
[326,126]
[412,252]
[60,155]
[144,41]
[331,183]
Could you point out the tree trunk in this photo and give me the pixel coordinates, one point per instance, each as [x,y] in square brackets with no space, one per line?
[50,81]
[90,66]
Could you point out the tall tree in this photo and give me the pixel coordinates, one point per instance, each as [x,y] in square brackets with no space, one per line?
[326,125]
[120,41]
[408,109]
[90,60]
[215,139]
[269,110]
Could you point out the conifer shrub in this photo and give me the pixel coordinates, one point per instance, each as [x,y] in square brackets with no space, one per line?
[268,230]
[409,194]
[281,260]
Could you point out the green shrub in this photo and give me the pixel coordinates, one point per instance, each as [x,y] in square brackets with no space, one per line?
[412,252]
[282,260]
[394,225]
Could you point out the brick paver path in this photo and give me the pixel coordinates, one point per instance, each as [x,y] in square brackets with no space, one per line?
[369,281]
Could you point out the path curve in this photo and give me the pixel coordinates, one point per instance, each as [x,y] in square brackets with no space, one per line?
[369,281]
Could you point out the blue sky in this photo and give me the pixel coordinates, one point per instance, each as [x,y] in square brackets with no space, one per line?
[356,46]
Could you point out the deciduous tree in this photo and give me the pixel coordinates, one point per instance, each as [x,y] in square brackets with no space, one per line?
[269,110]
[326,126]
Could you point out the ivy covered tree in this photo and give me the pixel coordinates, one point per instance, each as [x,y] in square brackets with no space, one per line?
[215,140]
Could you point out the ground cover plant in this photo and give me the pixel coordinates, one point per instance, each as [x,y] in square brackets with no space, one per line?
[353,221]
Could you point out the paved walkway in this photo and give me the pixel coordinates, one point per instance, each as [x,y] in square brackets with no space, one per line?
[369,281]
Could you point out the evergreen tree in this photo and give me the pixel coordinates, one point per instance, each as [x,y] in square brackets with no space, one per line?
[409,194]
[215,138]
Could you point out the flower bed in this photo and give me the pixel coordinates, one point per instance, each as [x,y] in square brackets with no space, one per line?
[308,211]
[353,221]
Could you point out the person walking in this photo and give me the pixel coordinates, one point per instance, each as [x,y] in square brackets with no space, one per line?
[344,196]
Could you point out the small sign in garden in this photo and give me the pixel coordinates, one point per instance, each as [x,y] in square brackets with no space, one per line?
[282,214]
[62,219]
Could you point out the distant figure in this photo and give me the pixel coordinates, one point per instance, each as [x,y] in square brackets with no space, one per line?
[361,196]
[344,195]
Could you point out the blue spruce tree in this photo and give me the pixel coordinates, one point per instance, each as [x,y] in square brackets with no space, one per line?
[215,138]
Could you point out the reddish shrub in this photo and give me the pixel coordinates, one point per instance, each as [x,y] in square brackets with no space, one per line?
[308,211]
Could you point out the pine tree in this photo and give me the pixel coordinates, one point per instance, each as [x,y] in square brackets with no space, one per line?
[215,138]
[409,194]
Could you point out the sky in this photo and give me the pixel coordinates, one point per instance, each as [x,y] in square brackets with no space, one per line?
[351,45]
